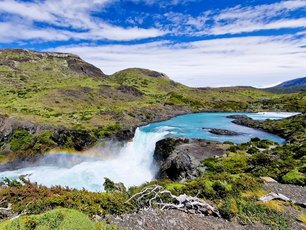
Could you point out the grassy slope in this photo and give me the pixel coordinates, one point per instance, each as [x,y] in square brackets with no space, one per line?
[231,183]
[61,219]
[64,97]
[45,90]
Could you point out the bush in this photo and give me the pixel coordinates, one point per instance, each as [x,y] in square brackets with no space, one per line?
[229,209]
[37,199]
[110,186]
[250,213]
[260,159]
[252,150]
[21,139]
[295,177]
[62,219]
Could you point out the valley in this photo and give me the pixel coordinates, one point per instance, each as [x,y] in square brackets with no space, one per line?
[120,132]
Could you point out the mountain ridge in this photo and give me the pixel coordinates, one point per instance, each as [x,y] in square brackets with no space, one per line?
[290,86]
[66,98]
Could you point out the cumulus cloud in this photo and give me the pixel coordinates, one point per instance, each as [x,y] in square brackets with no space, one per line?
[256,61]
[64,20]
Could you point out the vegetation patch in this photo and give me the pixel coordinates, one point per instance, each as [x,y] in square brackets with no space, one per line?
[60,218]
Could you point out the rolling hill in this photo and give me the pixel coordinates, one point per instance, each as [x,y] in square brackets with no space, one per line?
[58,100]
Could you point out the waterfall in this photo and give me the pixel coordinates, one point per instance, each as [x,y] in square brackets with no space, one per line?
[131,164]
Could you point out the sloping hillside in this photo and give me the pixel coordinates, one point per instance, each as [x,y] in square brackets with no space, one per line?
[62,89]
[292,86]
[58,100]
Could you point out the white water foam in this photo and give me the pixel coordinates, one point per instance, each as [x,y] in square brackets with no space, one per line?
[132,165]
[272,115]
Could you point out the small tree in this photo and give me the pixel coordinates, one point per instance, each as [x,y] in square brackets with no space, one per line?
[110,186]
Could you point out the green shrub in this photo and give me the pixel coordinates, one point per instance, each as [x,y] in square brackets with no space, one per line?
[61,219]
[295,177]
[250,213]
[20,139]
[236,163]
[110,186]
[45,137]
[264,144]
[37,199]
[259,159]
[229,209]
[252,150]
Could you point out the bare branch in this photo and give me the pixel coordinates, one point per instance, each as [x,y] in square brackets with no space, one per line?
[151,195]
[279,196]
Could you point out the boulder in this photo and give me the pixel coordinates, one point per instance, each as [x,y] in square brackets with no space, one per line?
[223,132]
[180,159]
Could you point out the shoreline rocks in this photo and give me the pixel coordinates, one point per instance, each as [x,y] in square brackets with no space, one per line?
[179,159]
[223,132]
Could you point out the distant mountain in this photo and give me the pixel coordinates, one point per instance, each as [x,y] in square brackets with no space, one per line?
[292,86]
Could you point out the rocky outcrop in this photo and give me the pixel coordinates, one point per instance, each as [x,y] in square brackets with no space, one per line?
[244,120]
[78,65]
[175,219]
[74,62]
[9,124]
[124,134]
[238,117]
[224,132]
[130,90]
[147,72]
[22,141]
[180,158]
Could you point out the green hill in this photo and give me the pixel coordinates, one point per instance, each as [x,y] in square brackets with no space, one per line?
[44,91]
[52,100]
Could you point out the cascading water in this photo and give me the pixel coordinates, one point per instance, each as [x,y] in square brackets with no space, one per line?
[132,165]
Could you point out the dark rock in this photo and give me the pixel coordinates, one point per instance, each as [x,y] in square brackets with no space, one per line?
[130,90]
[150,73]
[180,158]
[9,124]
[78,65]
[81,92]
[78,139]
[223,132]
[244,120]
[238,117]
[124,134]
[249,122]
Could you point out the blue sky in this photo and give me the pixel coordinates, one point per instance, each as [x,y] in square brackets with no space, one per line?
[195,42]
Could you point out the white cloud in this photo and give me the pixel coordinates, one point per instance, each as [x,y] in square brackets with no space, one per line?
[65,14]
[255,61]
[248,26]
[10,31]
[238,19]
[73,20]
[261,17]
[230,61]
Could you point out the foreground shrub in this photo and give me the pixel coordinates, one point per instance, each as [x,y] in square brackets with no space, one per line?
[37,199]
[251,212]
[61,219]
[295,177]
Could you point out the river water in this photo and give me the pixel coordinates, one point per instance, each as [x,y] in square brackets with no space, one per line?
[132,163]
